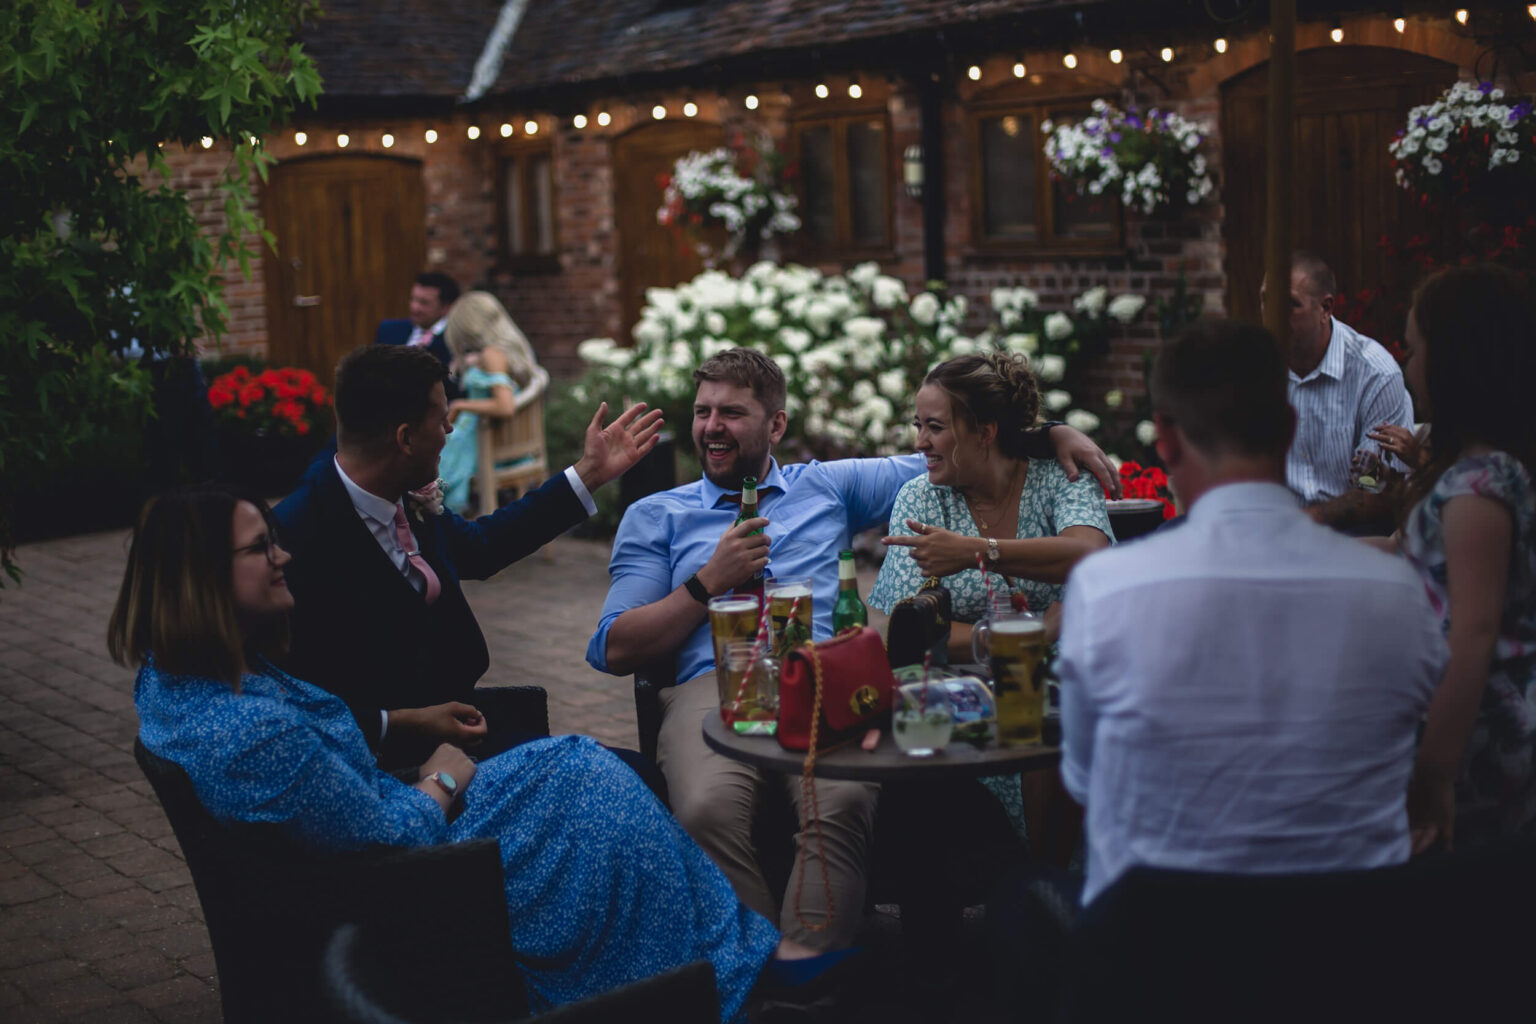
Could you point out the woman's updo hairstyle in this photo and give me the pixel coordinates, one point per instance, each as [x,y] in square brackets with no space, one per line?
[992,387]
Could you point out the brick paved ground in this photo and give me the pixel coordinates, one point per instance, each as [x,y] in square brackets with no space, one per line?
[98,917]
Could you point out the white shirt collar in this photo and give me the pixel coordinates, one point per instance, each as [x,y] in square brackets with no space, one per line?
[1249,495]
[366,503]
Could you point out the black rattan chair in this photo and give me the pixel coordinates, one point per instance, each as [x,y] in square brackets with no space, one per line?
[371,979]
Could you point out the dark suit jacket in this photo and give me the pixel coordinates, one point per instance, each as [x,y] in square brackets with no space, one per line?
[360,630]
[398,332]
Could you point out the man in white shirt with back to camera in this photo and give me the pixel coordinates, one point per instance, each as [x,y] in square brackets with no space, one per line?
[1241,694]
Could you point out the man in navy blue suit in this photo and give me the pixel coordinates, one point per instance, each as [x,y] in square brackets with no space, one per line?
[381,619]
[432,296]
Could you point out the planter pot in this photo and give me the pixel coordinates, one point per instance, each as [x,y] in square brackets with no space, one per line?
[269,464]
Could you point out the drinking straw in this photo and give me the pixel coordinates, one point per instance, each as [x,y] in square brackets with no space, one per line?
[986,578]
[758,646]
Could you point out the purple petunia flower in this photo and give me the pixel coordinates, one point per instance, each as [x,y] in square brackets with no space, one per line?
[1106,152]
[1485,87]
[1133,121]
[1114,136]
[1519,110]
[1422,121]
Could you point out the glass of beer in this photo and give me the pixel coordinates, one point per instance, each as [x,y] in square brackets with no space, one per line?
[751,704]
[1017,644]
[788,594]
[731,617]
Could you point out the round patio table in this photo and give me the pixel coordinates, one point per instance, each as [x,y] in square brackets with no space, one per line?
[886,763]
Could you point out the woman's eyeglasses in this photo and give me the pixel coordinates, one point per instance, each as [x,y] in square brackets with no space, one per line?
[267,546]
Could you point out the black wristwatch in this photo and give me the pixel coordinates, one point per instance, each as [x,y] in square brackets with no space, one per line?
[1037,443]
[696,589]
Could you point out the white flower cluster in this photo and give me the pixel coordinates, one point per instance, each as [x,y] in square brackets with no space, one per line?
[1468,121]
[853,347]
[711,183]
[1151,161]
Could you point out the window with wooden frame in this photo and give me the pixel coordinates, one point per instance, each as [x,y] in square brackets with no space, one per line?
[525,208]
[845,178]
[1016,207]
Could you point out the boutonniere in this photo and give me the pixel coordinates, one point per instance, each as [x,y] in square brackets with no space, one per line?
[428,500]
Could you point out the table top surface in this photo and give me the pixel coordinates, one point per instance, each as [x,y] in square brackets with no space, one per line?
[886,763]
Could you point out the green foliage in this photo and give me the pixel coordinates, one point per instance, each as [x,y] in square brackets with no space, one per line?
[97,251]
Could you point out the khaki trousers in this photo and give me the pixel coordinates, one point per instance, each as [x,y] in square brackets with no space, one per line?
[715,798]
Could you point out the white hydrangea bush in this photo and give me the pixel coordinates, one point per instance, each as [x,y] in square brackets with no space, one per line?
[853,347]
[1152,161]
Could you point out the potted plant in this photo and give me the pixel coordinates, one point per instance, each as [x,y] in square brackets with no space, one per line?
[741,189]
[1154,162]
[270,424]
[1471,142]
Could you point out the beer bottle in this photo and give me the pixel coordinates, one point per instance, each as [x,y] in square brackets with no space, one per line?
[749,511]
[849,609]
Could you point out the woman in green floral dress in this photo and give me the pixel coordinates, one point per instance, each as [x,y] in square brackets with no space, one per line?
[984,498]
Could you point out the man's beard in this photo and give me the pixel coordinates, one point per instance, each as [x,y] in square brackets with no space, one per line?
[744,464]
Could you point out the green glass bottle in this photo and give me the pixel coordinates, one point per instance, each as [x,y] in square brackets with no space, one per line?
[849,609]
[749,511]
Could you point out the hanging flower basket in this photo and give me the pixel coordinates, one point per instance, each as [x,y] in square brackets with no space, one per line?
[742,189]
[1471,141]
[1153,162]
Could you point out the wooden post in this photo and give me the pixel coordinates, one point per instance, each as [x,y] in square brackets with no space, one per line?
[1282,141]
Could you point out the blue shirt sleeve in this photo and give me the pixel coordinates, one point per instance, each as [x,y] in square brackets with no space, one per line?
[868,486]
[641,573]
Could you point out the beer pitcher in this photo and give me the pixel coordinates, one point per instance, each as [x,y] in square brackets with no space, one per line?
[999,606]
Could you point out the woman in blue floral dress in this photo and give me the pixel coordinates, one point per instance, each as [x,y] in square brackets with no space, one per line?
[1471,533]
[603,887]
[984,498]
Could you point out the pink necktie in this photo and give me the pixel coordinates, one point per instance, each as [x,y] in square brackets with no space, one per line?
[413,555]
[423,337]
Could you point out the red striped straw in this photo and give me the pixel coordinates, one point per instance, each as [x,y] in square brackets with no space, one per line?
[758,647]
[986,577]
[927,668]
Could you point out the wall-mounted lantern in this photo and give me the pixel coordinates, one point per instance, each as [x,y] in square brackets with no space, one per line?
[912,170]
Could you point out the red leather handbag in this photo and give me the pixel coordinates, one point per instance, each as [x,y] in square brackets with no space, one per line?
[833,691]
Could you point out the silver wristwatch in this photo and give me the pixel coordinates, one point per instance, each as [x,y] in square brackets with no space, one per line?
[993,554]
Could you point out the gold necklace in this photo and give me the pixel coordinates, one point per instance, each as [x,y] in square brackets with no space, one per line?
[985,525]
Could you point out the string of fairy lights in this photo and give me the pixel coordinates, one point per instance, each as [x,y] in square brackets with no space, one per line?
[532,127]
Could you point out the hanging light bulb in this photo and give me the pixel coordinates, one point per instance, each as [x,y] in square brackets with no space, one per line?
[387,141]
[751,101]
[603,118]
[299,138]
[207,141]
[1531,10]
[1167,55]
[855,90]
[1115,56]
[531,127]
[1337,35]
[973,73]
[343,140]
[659,112]
[1019,70]
[1069,59]
[474,132]
[431,136]
[822,92]
[506,130]
[580,121]
[690,109]
[1221,45]
[1461,15]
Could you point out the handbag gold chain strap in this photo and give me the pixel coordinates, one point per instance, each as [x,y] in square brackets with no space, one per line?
[810,808]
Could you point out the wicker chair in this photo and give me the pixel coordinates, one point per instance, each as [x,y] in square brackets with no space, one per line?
[373,979]
[511,448]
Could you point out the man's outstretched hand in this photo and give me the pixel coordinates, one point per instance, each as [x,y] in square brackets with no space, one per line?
[609,451]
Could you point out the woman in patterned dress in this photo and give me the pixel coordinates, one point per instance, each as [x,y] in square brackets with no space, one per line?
[982,488]
[1471,533]
[983,496]
[497,371]
[603,887]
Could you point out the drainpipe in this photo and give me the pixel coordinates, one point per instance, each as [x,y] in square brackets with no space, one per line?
[931,87]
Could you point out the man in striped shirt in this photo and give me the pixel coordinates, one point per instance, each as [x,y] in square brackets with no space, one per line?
[1342,386]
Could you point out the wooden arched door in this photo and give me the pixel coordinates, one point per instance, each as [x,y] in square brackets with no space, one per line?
[351,237]
[650,255]
[1350,102]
